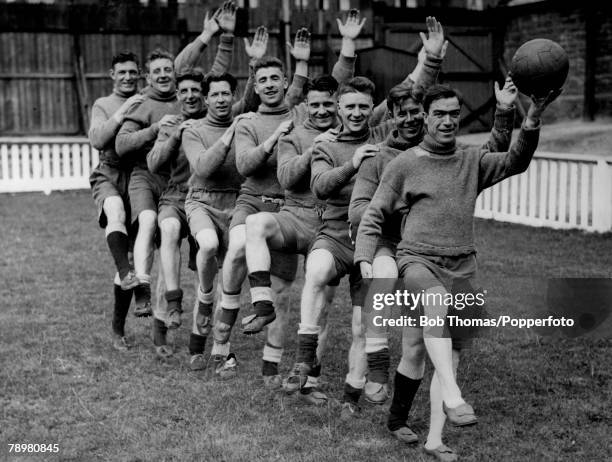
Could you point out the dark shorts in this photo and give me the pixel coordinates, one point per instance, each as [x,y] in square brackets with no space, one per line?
[211,210]
[334,237]
[109,180]
[299,227]
[455,274]
[145,191]
[284,265]
[172,205]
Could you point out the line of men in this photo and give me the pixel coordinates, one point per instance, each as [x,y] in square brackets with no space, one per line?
[281,173]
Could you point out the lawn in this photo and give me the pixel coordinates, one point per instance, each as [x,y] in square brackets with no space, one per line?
[538,398]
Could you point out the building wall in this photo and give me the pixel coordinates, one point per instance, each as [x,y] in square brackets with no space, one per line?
[567,26]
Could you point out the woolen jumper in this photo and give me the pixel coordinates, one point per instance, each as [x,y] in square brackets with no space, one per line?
[435,187]
[371,169]
[213,164]
[104,127]
[140,128]
[332,171]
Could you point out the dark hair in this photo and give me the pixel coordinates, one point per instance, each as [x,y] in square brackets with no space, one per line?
[403,91]
[224,77]
[268,61]
[324,83]
[357,85]
[190,73]
[158,53]
[124,57]
[436,92]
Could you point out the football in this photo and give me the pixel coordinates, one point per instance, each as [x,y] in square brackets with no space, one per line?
[539,66]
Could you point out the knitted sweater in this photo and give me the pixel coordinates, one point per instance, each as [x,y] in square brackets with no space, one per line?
[436,190]
[213,164]
[371,169]
[258,166]
[140,129]
[104,127]
[293,172]
[332,171]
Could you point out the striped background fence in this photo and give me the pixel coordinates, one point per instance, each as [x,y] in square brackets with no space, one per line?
[560,191]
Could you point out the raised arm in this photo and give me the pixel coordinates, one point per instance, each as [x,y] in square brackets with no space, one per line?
[427,69]
[501,133]
[293,166]
[226,20]
[104,127]
[496,166]
[301,53]
[344,69]
[255,50]
[190,55]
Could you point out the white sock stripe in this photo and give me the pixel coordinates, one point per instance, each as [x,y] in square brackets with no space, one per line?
[114,227]
[308,329]
[220,349]
[272,354]
[117,280]
[206,297]
[374,344]
[261,294]
[312,382]
[230,302]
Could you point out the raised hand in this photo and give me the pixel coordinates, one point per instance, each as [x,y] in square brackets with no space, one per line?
[257,48]
[433,42]
[363,152]
[507,95]
[185,124]
[538,105]
[301,48]
[210,26]
[285,127]
[352,26]
[227,17]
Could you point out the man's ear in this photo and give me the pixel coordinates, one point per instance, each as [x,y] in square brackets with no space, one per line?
[148,78]
[285,82]
[111,73]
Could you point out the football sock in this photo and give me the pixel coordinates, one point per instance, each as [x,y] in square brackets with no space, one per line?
[121,308]
[119,244]
[261,292]
[159,332]
[378,366]
[404,391]
[193,251]
[307,348]
[269,368]
[174,299]
[197,344]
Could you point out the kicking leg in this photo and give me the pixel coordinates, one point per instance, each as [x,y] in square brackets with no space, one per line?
[143,261]
[262,232]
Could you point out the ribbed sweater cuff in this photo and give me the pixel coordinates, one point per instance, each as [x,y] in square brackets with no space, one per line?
[347,62]
[365,248]
[299,80]
[433,61]
[504,118]
[226,41]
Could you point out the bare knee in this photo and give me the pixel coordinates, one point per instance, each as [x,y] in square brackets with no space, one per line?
[114,210]
[319,269]
[260,225]
[170,231]
[208,244]
[384,267]
[147,221]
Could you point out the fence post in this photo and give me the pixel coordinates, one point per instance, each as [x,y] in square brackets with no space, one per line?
[602,196]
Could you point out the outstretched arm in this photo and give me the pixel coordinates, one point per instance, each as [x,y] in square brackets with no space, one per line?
[190,55]
[344,69]
[496,166]
[300,50]
[501,133]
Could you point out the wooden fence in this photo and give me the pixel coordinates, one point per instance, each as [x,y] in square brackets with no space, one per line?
[558,190]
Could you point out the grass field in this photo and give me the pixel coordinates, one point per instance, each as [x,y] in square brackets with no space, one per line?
[538,398]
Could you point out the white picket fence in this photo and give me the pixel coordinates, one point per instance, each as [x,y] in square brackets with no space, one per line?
[45,164]
[558,190]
